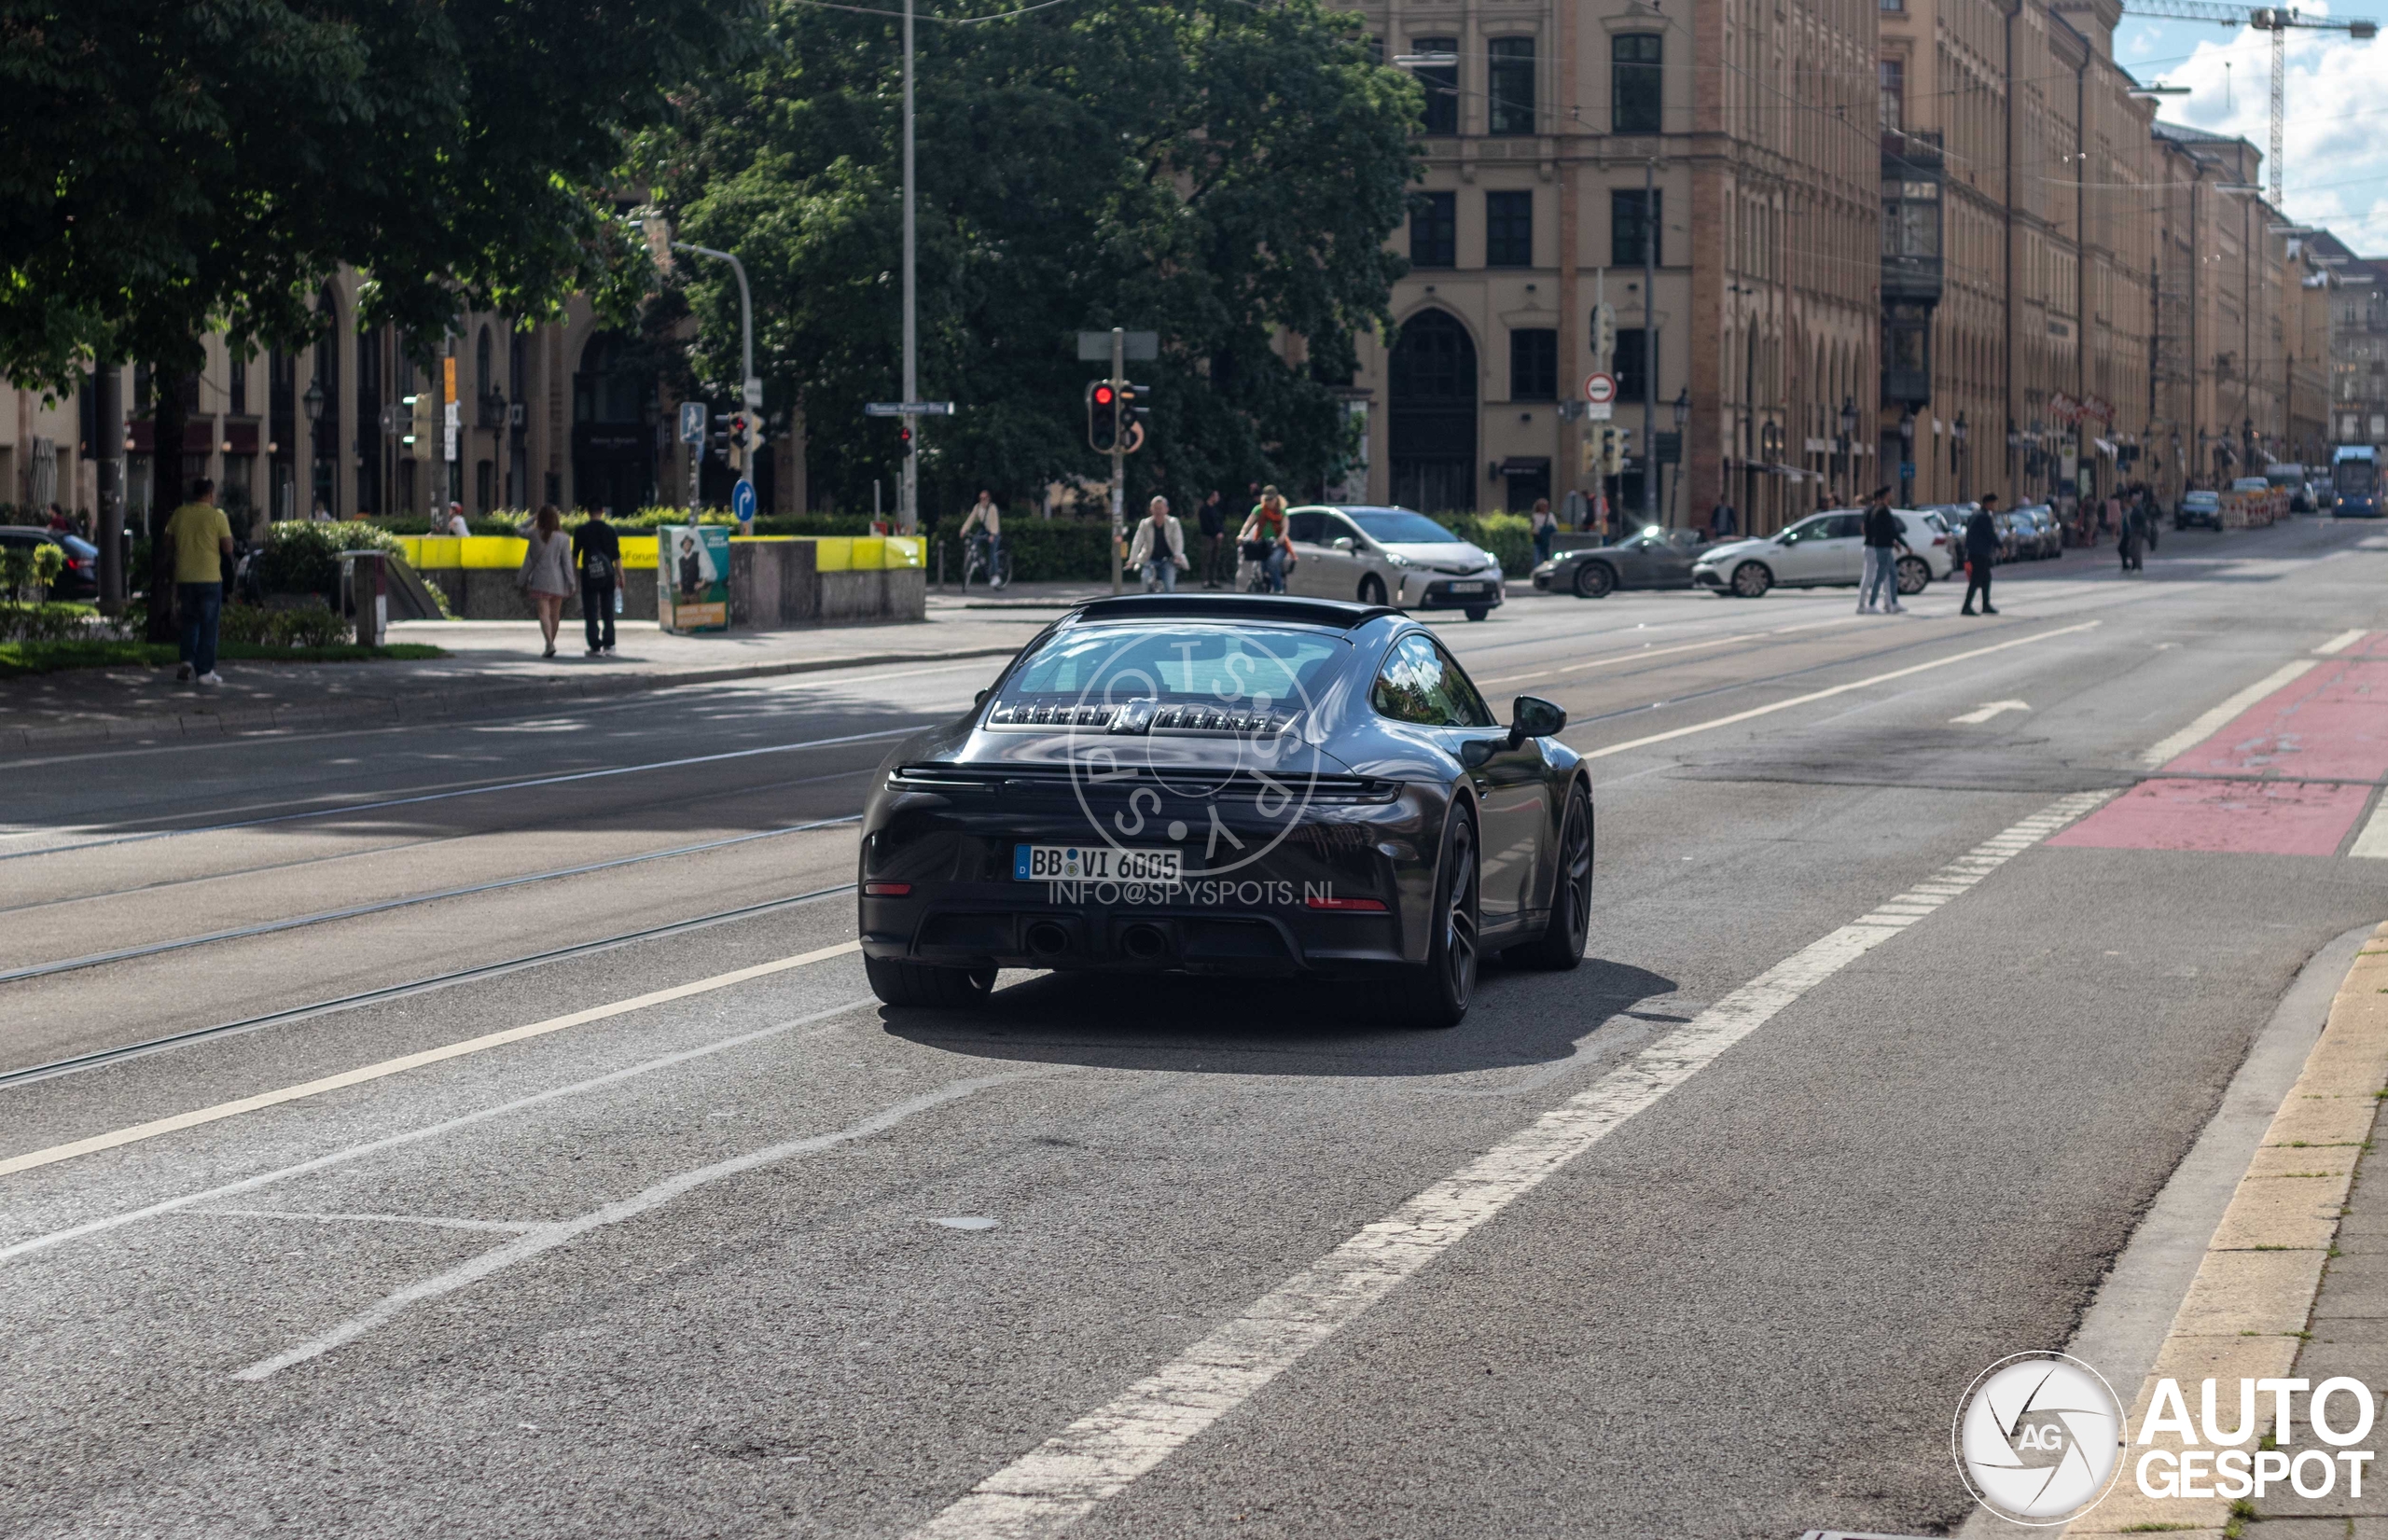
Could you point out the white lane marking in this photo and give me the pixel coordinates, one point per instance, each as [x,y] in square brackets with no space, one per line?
[367,1219]
[1606,659]
[547,1238]
[2372,843]
[1101,1454]
[198,1116]
[355,912]
[1990,709]
[2168,749]
[1836,690]
[415,1136]
[2341,642]
[338,809]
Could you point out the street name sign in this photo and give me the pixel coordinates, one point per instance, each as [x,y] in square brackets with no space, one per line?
[908,408]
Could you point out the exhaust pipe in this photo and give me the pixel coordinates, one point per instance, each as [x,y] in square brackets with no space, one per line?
[1047,940]
[1143,943]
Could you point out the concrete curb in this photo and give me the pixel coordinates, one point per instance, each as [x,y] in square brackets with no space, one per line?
[2247,1309]
[455,701]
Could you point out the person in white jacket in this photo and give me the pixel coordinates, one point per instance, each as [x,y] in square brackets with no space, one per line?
[1158,548]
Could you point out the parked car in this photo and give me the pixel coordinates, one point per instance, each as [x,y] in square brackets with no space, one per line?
[79,578]
[2199,506]
[1654,558]
[2321,497]
[1389,556]
[1825,550]
[2045,539]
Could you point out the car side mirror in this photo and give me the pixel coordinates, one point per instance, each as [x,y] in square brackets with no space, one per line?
[1532,717]
[981,698]
[1344,543]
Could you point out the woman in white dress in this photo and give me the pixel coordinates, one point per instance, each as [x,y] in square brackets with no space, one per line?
[546,576]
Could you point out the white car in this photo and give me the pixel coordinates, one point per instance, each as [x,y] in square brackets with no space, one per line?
[1388,556]
[1827,550]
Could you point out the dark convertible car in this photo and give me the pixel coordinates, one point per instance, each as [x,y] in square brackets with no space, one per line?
[1231,784]
[1654,558]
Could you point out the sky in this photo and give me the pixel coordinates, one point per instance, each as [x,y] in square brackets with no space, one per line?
[2336,122]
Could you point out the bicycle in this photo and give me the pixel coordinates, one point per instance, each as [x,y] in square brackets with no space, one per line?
[975,567]
[1252,568]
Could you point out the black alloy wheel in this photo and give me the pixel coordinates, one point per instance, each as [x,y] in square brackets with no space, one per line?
[1561,946]
[901,983]
[1595,580]
[1438,995]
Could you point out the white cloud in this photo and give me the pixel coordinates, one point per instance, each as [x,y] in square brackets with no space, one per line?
[2334,122]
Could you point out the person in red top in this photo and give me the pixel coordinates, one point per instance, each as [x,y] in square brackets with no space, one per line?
[1267,527]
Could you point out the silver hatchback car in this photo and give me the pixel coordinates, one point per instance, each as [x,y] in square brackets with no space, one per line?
[1388,556]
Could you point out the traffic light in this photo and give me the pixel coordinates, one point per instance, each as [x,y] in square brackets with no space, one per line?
[1620,443]
[424,424]
[1102,416]
[1603,333]
[1591,451]
[736,453]
[904,436]
[719,444]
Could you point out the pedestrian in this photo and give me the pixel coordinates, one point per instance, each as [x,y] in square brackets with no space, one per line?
[203,538]
[319,514]
[1264,539]
[1981,549]
[1546,530]
[1213,514]
[1723,522]
[985,520]
[1884,541]
[546,574]
[2153,518]
[454,523]
[597,550]
[59,522]
[2127,537]
[1598,524]
[1158,548]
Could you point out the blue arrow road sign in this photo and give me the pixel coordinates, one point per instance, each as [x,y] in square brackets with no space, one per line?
[741,500]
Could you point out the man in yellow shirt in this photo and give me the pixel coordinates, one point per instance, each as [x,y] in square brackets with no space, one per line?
[203,537]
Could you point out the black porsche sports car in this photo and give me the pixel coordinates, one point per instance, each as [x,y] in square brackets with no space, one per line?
[1654,558]
[1236,784]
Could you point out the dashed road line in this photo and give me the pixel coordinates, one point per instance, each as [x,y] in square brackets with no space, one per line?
[1103,1453]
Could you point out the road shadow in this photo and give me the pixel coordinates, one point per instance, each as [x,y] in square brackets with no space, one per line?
[1216,1026]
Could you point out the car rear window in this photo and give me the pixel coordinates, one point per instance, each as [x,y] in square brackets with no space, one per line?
[1257,666]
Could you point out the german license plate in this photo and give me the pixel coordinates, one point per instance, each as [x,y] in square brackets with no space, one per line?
[1092,863]
[1470,588]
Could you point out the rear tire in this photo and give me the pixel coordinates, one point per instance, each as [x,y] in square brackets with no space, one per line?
[1750,580]
[1561,946]
[1595,580]
[1371,590]
[1479,612]
[900,983]
[1915,577]
[1436,995]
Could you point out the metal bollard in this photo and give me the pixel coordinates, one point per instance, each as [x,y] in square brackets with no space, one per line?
[369,593]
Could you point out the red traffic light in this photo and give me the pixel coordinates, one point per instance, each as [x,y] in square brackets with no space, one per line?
[904,436]
[1102,396]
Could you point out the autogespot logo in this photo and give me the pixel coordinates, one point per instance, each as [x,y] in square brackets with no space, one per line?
[2039,1438]
[1164,748]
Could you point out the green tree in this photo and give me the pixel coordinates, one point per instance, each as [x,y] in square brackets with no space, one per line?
[176,169]
[1222,173]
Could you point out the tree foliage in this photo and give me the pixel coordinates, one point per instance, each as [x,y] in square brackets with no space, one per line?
[1219,172]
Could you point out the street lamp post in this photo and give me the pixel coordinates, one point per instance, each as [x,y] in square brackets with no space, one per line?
[1682,407]
[1958,431]
[312,402]
[1907,456]
[1846,445]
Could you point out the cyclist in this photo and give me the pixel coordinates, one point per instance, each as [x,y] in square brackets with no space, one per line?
[1158,548]
[983,528]
[1266,530]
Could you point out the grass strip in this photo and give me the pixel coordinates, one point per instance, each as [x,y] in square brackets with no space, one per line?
[20,659]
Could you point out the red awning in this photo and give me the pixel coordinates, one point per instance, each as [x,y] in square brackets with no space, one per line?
[239,438]
[198,436]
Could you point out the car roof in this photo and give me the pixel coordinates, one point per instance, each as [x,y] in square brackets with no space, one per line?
[1278,608]
[32,528]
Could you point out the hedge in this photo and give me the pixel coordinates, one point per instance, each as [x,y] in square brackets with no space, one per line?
[302,556]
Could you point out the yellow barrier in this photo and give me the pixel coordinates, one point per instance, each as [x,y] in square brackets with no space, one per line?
[831,553]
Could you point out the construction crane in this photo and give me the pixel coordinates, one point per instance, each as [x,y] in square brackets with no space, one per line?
[2275,20]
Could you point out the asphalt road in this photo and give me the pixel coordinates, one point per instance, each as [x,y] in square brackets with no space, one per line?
[765,1257]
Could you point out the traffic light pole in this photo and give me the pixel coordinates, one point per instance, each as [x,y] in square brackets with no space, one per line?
[1119,450]
[750,388]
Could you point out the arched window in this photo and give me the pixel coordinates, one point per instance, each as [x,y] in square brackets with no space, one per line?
[1431,424]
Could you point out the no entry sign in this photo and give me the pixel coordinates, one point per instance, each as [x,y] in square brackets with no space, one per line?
[1600,389]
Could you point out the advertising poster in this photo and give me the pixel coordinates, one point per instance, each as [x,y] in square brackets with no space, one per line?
[692,577]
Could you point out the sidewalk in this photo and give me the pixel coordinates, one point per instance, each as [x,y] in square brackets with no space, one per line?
[495,670]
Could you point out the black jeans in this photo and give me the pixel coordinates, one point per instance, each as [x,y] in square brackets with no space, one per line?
[1977,581]
[596,608]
